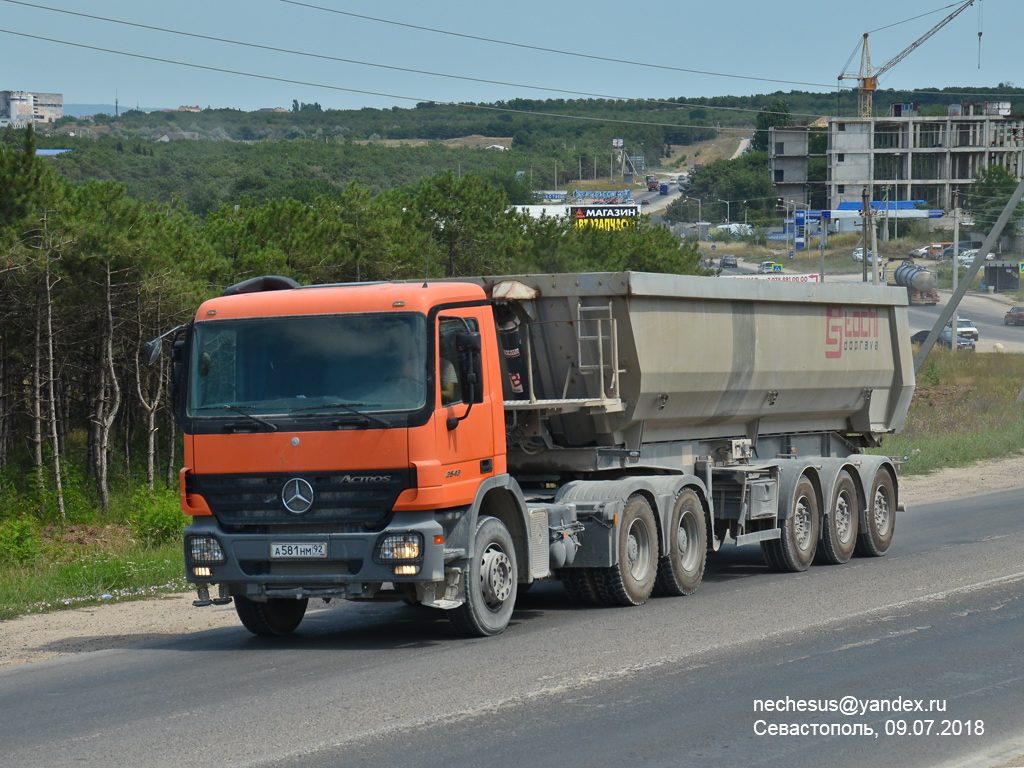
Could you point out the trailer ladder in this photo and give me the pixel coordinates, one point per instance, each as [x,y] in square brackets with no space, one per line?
[597,333]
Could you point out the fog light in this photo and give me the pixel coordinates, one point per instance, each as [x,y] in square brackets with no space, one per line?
[406,570]
[205,550]
[400,546]
[202,571]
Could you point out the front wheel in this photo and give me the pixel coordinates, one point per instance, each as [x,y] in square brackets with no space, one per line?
[274,618]
[492,584]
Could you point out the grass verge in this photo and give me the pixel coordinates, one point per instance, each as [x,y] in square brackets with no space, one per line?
[964,409]
[126,572]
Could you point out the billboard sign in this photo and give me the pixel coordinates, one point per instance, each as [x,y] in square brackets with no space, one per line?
[610,217]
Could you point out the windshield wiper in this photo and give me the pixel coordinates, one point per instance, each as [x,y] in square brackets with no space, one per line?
[269,425]
[351,408]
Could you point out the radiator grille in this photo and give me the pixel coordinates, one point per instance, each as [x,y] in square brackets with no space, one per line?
[343,497]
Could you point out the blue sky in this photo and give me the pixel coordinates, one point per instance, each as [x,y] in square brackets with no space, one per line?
[796,41]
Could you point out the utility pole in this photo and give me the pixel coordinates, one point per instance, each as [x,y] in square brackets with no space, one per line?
[885,234]
[874,252]
[954,320]
[865,213]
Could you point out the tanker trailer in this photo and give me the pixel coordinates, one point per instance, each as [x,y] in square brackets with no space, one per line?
[919,282]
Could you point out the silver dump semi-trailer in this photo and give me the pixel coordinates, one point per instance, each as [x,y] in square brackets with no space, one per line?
[651,417]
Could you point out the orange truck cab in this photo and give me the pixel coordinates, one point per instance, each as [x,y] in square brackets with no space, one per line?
[324,427]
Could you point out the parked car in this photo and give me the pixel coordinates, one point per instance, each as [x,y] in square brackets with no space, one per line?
[966,328]
[1014,317]
[728,262]
[919,253]
[768,267]
[965,245]
[858,255]
[967,258]
[945,340]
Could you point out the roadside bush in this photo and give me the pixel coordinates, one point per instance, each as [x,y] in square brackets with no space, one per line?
[19,540]
[156,516]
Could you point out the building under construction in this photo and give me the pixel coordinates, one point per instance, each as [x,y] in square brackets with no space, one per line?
[921,158]
[903,156]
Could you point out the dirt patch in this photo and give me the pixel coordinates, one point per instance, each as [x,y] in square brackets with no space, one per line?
[65,633]
[723,146]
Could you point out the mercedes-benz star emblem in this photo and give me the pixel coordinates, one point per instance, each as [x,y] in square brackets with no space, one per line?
[297,496]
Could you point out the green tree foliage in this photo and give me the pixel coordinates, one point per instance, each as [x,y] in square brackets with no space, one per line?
[775,114]
[744,182]
[88,273]
[989,195]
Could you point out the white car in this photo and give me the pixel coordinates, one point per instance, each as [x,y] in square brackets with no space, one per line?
[966,328]
[967,257]
[858,255]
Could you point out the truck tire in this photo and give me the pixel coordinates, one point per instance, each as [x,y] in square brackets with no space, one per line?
[631,581]
[794,550]
[768,552]
[681,568]
[878,519]
[580,584]
[839,529]
[276,617]
[491,586]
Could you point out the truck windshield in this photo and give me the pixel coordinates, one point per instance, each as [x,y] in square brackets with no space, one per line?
[340,364]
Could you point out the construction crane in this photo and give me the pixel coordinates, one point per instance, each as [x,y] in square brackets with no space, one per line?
[867,80]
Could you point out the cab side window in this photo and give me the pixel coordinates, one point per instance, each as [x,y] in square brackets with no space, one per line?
[448,357]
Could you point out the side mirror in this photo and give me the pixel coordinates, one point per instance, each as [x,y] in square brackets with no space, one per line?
[179,390]
[153,349]
[470,366]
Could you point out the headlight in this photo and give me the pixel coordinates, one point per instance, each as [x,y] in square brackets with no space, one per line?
[400,546]
[205,550]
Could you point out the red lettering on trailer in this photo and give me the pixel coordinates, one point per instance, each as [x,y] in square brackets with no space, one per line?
[850,330]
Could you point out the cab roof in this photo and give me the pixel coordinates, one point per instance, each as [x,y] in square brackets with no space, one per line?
[336,298]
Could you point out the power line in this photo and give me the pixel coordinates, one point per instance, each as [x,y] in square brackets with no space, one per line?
[486,107]
[913,18]
[543,49]
[392,67]
[828,86]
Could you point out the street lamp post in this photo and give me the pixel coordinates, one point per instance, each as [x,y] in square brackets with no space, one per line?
[697,201]
[727,219]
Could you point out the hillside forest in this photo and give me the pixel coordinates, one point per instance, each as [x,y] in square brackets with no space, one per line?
[89,273]
[120,239]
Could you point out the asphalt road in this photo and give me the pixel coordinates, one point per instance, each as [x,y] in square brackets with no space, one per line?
[987,313]
[672,683]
